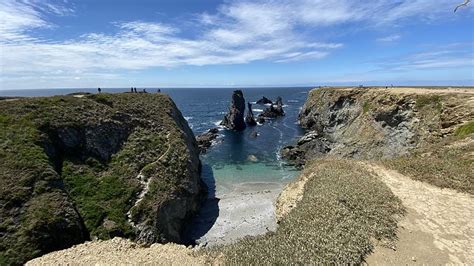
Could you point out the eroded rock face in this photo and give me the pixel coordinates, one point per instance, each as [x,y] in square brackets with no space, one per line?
[234,119]
[249,119]
[367,123]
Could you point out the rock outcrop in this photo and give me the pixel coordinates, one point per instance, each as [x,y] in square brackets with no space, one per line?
[234,119]
[205,140]
[97,166]
[374,123]
[249,118]
[264,100]
[274,111]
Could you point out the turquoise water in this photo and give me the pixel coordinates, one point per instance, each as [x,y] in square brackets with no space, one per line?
[254,172]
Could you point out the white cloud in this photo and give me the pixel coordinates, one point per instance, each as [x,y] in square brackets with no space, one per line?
[239,32]
[451,56]
[390,38]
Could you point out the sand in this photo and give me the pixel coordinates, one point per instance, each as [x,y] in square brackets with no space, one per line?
[239,210]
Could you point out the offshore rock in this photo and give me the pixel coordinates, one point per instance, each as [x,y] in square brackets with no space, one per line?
[234,119]
[205,140]
[264,100]
[249,119]
[274,111]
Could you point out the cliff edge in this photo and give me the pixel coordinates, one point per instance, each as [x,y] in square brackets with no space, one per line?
[75,168]
[377,123]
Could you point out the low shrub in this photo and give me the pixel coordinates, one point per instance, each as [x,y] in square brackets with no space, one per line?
[343,208]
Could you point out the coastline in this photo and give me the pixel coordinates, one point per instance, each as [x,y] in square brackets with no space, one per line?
[244,209]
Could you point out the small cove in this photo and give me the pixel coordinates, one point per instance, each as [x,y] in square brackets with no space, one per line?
[244,173]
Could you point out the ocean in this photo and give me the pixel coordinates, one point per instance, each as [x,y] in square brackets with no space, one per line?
[236,157]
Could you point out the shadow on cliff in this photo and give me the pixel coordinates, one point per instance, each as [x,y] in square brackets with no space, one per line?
[207,216]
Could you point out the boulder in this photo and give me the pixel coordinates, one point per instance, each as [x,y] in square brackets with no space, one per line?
[234,119]
[205,140]
[254,135]
[249,119]
[264,100]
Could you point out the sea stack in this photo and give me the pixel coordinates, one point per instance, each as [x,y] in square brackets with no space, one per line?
[272,111]
[279,108]
[264,100]
[249,118]
[234,119]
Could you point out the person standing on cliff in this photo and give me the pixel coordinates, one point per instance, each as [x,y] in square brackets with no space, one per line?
[99,90]
[135,90]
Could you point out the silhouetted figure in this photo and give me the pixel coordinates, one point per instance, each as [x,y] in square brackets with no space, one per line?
[144,90]
[159,91]
[131,89]
[99,90]
[135,90]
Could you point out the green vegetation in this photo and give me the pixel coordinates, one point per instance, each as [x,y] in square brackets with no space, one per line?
[465,129]
[66,160]
[343,209]
[428,100]
[447,164]
[366,107]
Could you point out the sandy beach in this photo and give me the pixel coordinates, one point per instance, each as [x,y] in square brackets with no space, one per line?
[238,210]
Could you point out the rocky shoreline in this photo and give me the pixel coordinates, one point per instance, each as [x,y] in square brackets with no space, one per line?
[341,123]
[373,123]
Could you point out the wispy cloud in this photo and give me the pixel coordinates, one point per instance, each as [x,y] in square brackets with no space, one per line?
[389,38]
[451,56]
[239,32]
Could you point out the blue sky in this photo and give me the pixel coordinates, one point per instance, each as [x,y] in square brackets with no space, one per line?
[211,43]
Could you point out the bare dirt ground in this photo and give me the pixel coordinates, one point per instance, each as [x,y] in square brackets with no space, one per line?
[120,251]
[438,228]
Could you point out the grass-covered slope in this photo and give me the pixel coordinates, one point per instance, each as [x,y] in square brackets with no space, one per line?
[446,164]
[69,168]
[344,208]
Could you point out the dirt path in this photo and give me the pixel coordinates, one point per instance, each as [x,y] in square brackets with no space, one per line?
[146,183]
[438,228]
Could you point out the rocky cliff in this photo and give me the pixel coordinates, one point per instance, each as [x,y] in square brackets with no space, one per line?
[374,123]
[74,168]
